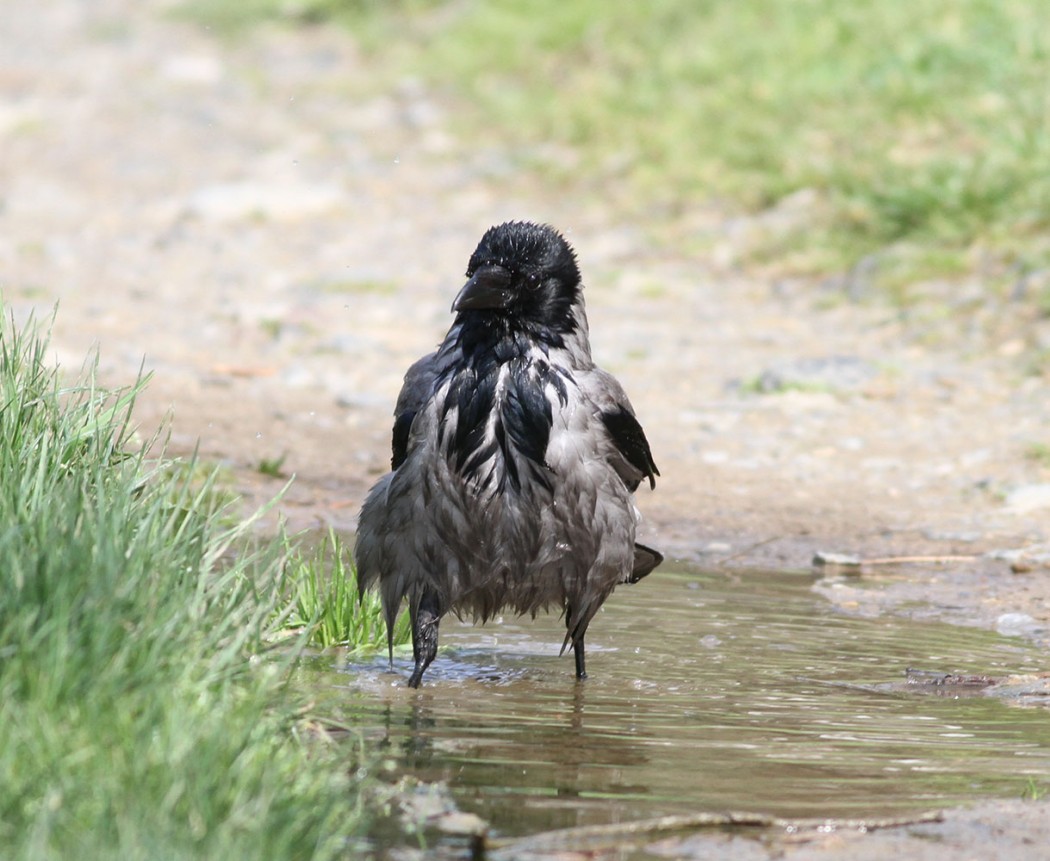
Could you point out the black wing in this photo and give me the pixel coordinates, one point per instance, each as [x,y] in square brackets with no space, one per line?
[419,382]
[630,439]
[399,438]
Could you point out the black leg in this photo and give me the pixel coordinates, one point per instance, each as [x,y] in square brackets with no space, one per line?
[577,650]
[425,622]
[577,642]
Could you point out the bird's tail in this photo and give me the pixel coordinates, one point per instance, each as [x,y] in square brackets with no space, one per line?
[390,617]
[645,560]
[392,589]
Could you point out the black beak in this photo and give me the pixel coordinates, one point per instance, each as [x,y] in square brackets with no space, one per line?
[488,288]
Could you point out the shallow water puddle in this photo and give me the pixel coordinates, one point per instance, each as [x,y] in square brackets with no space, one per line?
[708,692]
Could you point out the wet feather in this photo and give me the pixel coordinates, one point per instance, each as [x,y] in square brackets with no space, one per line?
[514,458]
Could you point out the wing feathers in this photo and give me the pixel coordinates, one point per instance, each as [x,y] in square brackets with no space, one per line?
[630,439]
[418,385]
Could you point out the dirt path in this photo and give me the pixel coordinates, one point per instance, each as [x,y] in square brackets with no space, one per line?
[276,239]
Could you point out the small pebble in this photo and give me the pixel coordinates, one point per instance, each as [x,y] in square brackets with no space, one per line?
[1015,624]
[459,822]
[845,560]
[1030,497]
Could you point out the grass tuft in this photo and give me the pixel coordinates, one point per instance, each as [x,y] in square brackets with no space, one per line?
[139,720]
[273,467]
[1039,454]
[326,604]
[1034,791]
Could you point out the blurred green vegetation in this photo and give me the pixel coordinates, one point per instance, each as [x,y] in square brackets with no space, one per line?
[914,137]
[145,709]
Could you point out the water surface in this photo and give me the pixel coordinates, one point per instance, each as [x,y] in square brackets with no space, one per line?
[708,692]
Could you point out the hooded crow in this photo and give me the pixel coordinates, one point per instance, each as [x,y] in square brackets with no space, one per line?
[515,459]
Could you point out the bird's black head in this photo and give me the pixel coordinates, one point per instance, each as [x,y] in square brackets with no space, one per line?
[524,273]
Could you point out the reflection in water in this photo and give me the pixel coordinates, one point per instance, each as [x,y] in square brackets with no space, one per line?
[556,754]
[706,693]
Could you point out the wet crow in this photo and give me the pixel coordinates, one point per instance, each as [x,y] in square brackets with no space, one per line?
[515,458]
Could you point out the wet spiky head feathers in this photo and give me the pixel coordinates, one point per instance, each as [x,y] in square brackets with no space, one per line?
[524,273]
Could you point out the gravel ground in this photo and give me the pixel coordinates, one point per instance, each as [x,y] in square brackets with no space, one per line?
[276,237]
